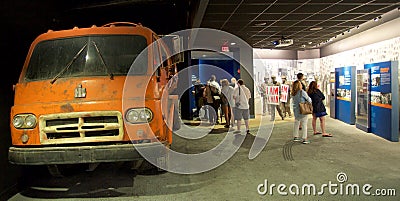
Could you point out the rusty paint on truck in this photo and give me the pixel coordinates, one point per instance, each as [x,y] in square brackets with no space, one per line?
[79,106]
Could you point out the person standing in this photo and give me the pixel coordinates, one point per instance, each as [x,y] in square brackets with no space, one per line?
[276,107]
[209,105]
[263,89]
[233,82]
[198,96]
[299,96]
[241,95]
[212,93]
[300,78]
[285,106]
[234,85]
[319,110]
[227,101]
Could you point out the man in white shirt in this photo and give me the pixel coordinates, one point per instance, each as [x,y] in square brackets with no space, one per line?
[241,95]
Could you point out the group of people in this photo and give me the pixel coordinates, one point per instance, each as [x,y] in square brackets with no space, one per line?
[301,93]
[298,92]
[283,108]
[232,97]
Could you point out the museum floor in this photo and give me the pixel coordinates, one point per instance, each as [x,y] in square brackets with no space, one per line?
[351,165]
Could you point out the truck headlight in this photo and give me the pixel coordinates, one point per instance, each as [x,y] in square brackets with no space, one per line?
[138,115]
[132,116]
[18,121]
[24,121]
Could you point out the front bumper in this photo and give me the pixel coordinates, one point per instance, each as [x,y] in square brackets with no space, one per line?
[77,154]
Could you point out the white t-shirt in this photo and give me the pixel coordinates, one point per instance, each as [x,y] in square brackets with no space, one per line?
[244,97]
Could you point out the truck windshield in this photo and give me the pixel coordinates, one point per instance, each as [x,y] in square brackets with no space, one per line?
[118,52]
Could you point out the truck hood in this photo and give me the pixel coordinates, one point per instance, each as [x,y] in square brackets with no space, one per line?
[92,89]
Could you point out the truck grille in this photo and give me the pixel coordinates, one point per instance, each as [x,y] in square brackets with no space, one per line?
[79,127]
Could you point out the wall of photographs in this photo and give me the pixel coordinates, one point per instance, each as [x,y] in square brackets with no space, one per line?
[320,69]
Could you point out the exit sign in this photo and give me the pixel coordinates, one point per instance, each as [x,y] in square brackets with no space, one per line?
[225,49]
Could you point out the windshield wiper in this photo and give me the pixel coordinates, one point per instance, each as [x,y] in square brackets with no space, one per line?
[68,65]
[102,61]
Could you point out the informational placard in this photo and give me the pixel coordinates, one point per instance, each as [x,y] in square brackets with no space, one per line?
[381,95]
[384,99]
[272,95]
[345,94]
[284,93]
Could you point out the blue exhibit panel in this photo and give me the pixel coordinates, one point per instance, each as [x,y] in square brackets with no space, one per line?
[222,69]
[343,107]
[380,122]
[345,94]
[384,99]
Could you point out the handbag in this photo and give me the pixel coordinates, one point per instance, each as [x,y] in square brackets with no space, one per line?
[306,108]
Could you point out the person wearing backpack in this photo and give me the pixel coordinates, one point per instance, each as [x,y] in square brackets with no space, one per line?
[212,94]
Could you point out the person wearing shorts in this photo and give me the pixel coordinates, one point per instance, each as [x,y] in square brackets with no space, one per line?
[241,95]
[319,110]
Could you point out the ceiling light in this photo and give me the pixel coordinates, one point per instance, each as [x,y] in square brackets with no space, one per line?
[310,43]
[316,28]
[261,24]
[233,43]
[377,18]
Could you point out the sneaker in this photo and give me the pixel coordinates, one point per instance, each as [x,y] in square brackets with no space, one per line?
[306,142]
[296,139]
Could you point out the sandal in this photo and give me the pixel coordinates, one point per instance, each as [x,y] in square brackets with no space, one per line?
[327,135]
[317,133]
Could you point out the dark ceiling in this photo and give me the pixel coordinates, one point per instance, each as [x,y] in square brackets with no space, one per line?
[23,20]
[259,22]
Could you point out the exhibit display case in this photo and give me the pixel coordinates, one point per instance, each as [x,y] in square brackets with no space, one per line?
[363,110]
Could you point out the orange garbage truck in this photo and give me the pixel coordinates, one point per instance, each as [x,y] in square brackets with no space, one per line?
[68,103]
